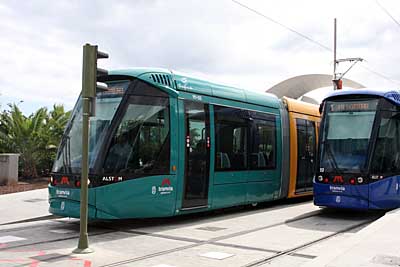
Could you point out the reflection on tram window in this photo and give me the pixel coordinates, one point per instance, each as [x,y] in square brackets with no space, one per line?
[69,157]
[263,154]
[230,139]
[141,143]
[306,147]
[197,154]
[386,158]
[346,137]
[244,139]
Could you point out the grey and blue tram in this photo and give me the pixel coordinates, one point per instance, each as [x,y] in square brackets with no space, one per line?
[358,164]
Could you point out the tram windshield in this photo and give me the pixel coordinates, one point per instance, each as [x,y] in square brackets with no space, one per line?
[346,135]
[141,144]
[70,152]
[386,157]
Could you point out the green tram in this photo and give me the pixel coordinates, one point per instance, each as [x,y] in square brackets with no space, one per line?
[164,144]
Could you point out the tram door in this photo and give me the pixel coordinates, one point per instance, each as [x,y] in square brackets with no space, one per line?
[306,152]
[197,155]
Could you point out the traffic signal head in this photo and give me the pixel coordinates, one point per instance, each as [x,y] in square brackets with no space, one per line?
[90,72]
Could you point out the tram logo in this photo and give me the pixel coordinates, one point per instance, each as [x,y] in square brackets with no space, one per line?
[337,189]
[64,180]
[62,193]
[165,187]
[165,182]
[338,179]
[184,84]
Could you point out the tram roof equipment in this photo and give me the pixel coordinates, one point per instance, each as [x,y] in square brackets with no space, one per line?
[391,95]
[173,82]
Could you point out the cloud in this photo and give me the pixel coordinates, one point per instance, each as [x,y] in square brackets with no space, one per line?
[41,43]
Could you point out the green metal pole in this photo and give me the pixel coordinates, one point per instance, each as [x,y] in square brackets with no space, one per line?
[83,237]
[88,92]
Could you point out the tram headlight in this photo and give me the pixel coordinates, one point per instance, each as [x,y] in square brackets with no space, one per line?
[320,178]
[360,180]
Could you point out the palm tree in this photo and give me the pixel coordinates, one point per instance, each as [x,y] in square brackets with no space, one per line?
[56,121]
[21,134]
[34,137]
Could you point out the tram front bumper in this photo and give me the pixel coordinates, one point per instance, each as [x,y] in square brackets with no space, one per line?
[69,208]
[65,202]
[341,201]
[342,196]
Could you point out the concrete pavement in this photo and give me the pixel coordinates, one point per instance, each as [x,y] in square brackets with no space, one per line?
[278,234]
[23,205]
[376,245]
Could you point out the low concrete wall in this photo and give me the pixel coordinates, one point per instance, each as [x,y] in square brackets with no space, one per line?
[8,169]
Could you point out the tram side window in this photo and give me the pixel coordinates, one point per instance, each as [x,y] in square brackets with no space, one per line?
[141,143]
[386,159]
[263,153]
[231,138]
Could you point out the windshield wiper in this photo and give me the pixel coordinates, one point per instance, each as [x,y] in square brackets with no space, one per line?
[66,150]
[332,160]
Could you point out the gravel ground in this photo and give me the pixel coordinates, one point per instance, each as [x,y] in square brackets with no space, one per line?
[24,185]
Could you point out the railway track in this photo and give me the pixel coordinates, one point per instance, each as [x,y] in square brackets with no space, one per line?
[217,241]
[213,241]
[305,245]
[222,241]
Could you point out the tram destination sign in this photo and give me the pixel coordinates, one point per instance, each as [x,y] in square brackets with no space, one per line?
[352,106]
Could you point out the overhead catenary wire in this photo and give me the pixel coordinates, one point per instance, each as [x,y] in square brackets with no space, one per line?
[380,75]
[387,13]
[283,25]
[302,35]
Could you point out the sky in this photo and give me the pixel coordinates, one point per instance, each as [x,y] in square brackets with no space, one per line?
[219,40]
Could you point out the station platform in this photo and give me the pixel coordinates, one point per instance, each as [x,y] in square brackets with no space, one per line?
[376,245]
[282,233]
